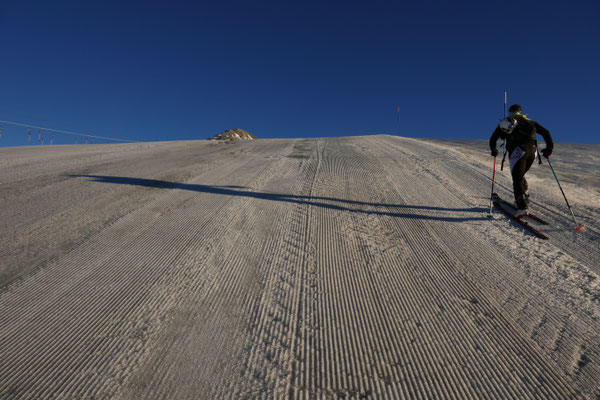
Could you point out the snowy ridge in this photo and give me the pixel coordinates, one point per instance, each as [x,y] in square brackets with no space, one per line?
[341,267]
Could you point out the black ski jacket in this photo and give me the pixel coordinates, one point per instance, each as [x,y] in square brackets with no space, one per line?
[523,134]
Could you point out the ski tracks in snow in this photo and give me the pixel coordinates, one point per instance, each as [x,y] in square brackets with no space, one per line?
[551,295]
[317,268]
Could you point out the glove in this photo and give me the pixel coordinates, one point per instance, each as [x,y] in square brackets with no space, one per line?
[494,152]
[547,152]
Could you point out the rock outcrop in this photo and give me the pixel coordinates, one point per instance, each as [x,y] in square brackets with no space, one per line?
[234,134]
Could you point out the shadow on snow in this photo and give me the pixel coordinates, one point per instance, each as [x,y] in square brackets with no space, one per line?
[317,201]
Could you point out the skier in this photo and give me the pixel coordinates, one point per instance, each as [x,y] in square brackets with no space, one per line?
[520,135]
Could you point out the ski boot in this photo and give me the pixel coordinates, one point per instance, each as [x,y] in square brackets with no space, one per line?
[522,203]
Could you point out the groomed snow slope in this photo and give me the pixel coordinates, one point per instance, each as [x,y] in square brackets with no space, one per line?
[342,267]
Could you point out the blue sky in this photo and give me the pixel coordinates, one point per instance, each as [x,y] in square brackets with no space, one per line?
[181,71]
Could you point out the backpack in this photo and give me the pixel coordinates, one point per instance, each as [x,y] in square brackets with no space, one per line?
[524,131]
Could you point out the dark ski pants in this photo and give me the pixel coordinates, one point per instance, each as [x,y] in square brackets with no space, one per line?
[520,167]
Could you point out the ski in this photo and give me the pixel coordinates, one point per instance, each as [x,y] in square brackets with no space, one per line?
[530,216]
[523,223]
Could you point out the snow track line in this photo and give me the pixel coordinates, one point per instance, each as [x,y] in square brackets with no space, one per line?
[140,252]
[352,347]
[21,305]
[204,294]
[463,199]
[59,196]
[349,281]
[476,257]
[149,278]
[561,230]
[232,265]
[300,347]
[271,344]
[412,221]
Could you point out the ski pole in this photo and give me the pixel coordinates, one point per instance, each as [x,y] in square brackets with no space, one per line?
[492,195]
[579,227]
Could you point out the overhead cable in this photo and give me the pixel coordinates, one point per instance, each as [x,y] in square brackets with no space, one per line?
[87,135]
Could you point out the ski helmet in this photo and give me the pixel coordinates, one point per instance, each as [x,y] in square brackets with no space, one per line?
[515,109]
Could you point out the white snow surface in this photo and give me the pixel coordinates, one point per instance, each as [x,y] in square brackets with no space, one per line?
[359,267]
